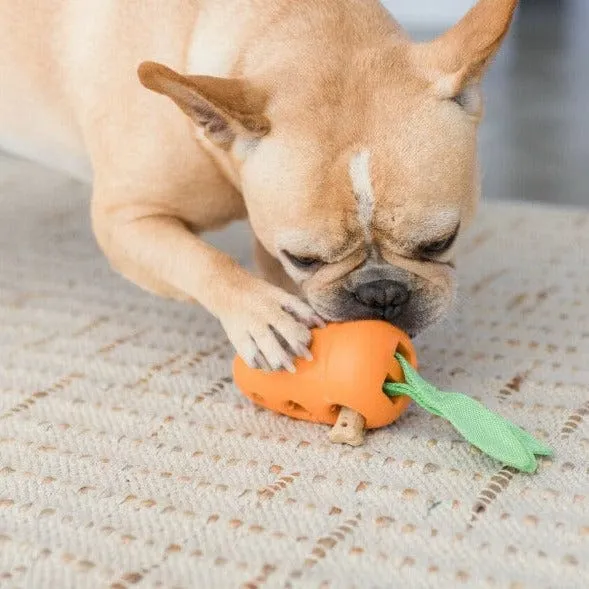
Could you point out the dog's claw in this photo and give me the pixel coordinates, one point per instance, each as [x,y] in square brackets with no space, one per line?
[319,322]
[290,367]
[305,353]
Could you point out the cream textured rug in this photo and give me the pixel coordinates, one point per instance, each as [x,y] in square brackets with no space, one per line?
[128,459]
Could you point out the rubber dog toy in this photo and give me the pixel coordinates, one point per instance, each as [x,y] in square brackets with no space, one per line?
[351,361]
[363,374]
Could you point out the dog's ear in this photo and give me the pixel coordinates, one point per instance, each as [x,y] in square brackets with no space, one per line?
[457,60]
[224,107]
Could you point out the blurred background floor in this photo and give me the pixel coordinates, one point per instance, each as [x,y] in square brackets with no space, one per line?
[535,136]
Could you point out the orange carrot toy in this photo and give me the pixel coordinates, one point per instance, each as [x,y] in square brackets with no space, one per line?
[350,363]
[363,375]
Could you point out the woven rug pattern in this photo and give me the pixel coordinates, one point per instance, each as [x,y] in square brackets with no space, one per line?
[128,459]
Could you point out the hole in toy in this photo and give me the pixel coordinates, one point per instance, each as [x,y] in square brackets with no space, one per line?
[405,352]
[345,424]
[295,407]
[397,375]
[393,400]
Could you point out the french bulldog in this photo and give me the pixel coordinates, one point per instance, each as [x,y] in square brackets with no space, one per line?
[349,148]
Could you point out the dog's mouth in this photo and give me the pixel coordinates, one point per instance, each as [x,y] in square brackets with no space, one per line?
[368,314]
[420,313]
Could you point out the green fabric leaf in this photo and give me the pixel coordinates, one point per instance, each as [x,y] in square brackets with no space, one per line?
[488,431]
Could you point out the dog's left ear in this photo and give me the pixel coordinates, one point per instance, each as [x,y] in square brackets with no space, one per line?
[225,107]
[457,60]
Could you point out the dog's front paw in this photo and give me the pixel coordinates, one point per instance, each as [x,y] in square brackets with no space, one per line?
[269,327]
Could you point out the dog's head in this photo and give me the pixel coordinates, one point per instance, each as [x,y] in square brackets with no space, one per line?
[360,174]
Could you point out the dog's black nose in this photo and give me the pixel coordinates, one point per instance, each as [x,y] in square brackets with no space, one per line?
[385,295]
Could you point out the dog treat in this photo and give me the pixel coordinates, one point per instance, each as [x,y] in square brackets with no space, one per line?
[348,428]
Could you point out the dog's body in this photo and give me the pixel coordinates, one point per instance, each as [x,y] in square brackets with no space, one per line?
[351,150]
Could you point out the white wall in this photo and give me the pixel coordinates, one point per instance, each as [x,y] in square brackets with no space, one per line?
[432,14]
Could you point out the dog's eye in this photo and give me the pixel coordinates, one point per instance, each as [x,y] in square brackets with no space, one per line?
[437,248]
[303,262]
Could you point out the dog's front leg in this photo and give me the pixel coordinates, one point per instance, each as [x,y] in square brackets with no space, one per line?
[266,325]
[272,270]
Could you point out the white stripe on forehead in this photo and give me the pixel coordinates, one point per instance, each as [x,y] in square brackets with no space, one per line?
[362,185]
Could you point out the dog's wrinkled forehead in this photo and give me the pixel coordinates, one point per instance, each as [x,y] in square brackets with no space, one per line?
[361,203]
[404,216]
